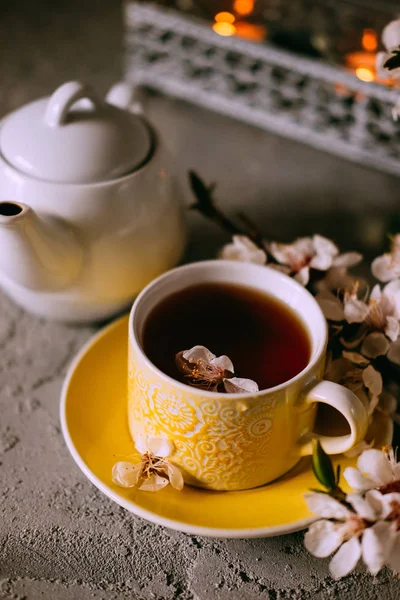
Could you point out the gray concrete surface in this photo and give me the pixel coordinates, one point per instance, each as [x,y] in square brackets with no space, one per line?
[59,537]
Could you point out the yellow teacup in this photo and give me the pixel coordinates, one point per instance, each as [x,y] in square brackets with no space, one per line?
[236,441]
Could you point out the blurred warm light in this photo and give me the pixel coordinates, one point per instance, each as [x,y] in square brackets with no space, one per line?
[224,17]
[250,31]
[365,74]
[369,40]
[363,62]
[225,29]
[243,7]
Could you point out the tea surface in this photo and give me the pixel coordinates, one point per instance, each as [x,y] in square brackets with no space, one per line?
[265,340]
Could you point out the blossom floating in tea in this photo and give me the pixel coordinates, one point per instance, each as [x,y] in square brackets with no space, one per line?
[201,368]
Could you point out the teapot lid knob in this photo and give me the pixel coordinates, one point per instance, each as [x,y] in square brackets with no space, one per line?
[63,98]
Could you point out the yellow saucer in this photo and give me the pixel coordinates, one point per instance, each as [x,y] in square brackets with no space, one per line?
[95,428]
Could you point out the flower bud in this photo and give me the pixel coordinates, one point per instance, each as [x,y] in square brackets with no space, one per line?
[322,466]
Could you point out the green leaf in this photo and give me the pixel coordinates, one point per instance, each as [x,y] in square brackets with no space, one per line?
[394,61]
[322,466]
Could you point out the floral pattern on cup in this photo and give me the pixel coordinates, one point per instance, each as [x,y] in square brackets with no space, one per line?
[213,437]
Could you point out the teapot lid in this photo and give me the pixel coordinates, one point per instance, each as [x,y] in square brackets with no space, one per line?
[76,137]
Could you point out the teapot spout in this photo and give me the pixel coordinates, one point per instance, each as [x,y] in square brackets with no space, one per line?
[36,252]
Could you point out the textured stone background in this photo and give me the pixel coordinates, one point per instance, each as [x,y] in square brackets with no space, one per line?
[59,537]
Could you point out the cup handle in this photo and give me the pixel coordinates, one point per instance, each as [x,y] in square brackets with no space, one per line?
[348,405]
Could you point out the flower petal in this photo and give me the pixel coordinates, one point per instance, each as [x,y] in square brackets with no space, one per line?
[279,252]
[198,353]
[363,507]
[292,254]
[396,471]
[323,538]
[243,249]
[325,506]
[223,362]
[384,268]
[357,481]
[392,328]
[355,311]
[141,443]
[373,403]
[356,358]
[175,476]
[391,35]
[375,344]
[393,353]
[331,306]
[391,293]
[345,559]
[347,259]
[377,542]
[238,385]
[389,502]
[376,293]
[372,380]
[325,250]
[393,287]
[303,276]
[126,474]
[375,499]
[160,447]
[153,483]
[376,466]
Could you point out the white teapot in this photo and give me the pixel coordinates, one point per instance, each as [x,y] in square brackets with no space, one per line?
[89,208]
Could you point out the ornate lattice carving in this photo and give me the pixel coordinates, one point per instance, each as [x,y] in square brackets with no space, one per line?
[293,96]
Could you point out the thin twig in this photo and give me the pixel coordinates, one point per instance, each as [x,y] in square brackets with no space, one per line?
[254,233]
[206,206]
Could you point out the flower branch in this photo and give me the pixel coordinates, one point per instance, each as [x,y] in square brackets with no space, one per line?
[364,326]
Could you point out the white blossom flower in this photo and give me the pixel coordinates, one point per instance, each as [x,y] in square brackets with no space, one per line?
[202,368]
[375,469]
[354,531]
[387,266]
[154,471]
[243,249]
[310,253]
[391,41]
[380,315]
